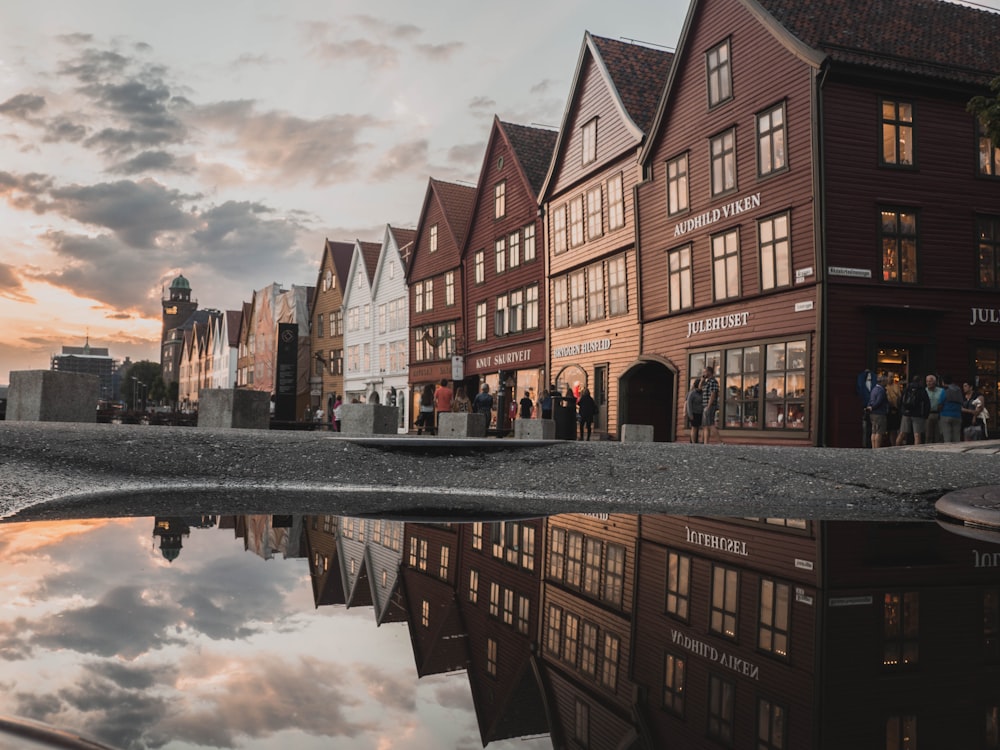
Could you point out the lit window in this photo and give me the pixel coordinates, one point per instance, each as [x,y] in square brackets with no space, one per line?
[680,278]
[897,133]
[514,249]
[434,238]
[720,77]
[529,242]
[429,295]
[898,234]
[445,558]
[989,251]
[473,585]
[480,334]
[531,307]
[726,265]
[989,153]
[501,255]
[723,156]
[500,199]
[771,141]
[900,628]
[678,584]
[449,288]
[724,601]
[774,618]
[480,264]
[491,657]
[515,317]
[500,317]
[588,138]
[425,613]
[901,732]
[571,638]
[523,613]
[418,302]
[677,185]
[588,649]
[614,574]
[673,684]
[609,662]
[775,252]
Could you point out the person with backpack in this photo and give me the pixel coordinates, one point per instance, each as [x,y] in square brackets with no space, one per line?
[914,406]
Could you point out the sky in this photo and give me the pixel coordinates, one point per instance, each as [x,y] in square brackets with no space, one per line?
[226,141]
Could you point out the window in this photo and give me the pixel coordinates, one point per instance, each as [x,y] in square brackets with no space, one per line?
[673,684]
[897,133]
[559,230]
[721,709]
[434,238]
[491,657]
[617,287]
[723,157]
[560,302]
[775,252]
[588,138]
[771,141]
[480,321]
[574,559]
[616,203]
[477,535]
[500,200]
[425,613]
[614,574]
[901,732]
[531,307]
[514,247]
[991,624]
[581,723]
[418,302]
[588,649]
[500,248]
[337,323]
[473,585]
[989,153]
[720,81]
[592,567]
[527,547]
[576,222]
[523,614]
[319,326]
[494,599]
[515,317]
[898,233]
[366,316]
[571,638]
[443,566]
[726,265]
[595,292]
[554,630]
[508,606]
[681,292]
[609,664]
[678,585]
[785,385]
[382,318]
[900,628]
[557,554]
[318,363]
[480,266]
[677,185]
[595,213]
[988,228]
[500,317]
[724,601]
[770,726]
[774,618]
[577,298]
[529,242]
[429,295]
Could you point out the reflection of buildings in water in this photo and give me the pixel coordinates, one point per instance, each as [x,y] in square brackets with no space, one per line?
[270,535]
[171,531]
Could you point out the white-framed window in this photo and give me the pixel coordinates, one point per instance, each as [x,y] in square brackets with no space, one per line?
[434,238]
[595,292]
[500,199]
[560,302]
[578,298]
[559,230]
[595,213]
[515,315]
[576,222]
[500,317]
[429,295]
[588,141]
[617,286]
[366,315]
[723,155]
[480,321]
[677,185]
[681,290]
[382,317]
[449,289]
[514,249]
[616,203]
[418,301]
[500,248]
[726,265]
[480,266]
[720,74]
[529,242]
[771,154]
[531,307]
[773,238]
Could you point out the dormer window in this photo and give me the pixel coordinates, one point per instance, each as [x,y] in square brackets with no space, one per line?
[588,138]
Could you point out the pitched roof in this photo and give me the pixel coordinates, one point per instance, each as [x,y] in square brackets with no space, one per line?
[456,202]
[917,37]
[370,252]
[403,236]
[341,254]
[533,147]
[233,321]
[639,73]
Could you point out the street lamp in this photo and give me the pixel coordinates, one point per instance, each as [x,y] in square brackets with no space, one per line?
[135,385]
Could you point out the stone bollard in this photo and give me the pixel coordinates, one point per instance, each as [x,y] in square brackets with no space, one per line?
[637,433]
[368,419]
[461,425]
[238,408]
[535,429]
[52,396]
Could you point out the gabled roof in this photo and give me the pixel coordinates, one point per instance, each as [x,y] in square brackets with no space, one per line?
[340,254]
[915,37]
[456,203]
[404,239]
[533,148]
[636,76]
[233,320]
[370,252]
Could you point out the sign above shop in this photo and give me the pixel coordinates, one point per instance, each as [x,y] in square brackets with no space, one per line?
[585,347]
[503,359]
[710,652]
[985,315]
[738,206]
[714,541]
[854,273]
[733,320]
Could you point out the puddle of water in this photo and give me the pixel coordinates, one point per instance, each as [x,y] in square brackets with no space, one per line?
[291,632]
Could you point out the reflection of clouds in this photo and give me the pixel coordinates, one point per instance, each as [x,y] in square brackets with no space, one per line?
[388,689]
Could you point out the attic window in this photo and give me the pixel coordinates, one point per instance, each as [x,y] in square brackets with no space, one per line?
[434,238]
[588,135]
[328,280]
[720,74]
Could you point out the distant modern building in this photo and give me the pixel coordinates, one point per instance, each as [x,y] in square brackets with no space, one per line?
[90,360]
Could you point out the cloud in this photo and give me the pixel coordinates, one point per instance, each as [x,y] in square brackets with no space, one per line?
[61,128]
[150,161]
[403,157]
[439,52]
[381,56]
[482,105]
[542,86]
[389,690]
[22,106]
[382,27]
[466,154]
[11,286]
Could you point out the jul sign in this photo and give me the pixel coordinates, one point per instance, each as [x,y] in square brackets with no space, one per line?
[985,315]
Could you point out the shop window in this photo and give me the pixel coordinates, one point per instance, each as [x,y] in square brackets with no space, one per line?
[726,265]
[901,732]
[989,153]
[678,585]
[771,141]
[720,76]
[785,385]
[673,684]
[900,629]
[988,229]
[681,294]
[677,185]
[741,402]
[773,622]
[725,600]
[897,133]
[775,252]
[770,726]
[898,233]
[722,149]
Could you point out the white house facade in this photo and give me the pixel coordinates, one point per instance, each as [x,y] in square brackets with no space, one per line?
[361,377]
[391,324]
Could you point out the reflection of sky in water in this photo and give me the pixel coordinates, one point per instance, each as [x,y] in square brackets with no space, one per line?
[220,648]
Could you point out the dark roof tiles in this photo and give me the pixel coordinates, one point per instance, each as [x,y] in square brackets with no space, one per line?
[370,252]
[639,74]
[533,147]
[456,202]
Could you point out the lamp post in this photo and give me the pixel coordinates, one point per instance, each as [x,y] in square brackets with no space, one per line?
[135,385]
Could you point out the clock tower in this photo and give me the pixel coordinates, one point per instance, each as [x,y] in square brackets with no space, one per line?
[177,308]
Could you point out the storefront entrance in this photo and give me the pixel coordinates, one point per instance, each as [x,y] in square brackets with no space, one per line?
[647,397]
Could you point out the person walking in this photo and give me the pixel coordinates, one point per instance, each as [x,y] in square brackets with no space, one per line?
[878,411]
[951,411]
[693,409]
[425,418]
[588,408]
[442,402]
[935,395]
[914,407]
[709,404]
[483,404]
[461,403]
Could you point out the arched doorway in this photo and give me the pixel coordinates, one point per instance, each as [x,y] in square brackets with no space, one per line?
[647,396]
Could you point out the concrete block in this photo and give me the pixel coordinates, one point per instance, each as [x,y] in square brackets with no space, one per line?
[220,408]
[52,396]
[637,433]
[535,429]
[462,425]
[368,419]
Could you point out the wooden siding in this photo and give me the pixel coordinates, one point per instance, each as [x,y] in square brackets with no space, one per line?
[327,302]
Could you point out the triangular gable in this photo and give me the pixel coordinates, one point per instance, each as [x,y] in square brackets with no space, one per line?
[455,203]
[654,76]
[393,242]
[337,256]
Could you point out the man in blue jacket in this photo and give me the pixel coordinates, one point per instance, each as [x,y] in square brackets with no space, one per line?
[878,410]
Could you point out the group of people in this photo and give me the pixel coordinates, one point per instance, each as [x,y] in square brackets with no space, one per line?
[926,410]
[701,407]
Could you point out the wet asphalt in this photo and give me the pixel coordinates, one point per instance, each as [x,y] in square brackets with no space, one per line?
[71,470]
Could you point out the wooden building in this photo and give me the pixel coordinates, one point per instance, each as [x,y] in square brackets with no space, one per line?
[594,332]
[361,371]
[326,380]
[504,270]
[434,278]
[818,201]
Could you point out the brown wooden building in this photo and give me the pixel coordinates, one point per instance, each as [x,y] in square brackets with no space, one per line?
[434,277]
[504,269]
[817,201]
[594,332]
[326,374]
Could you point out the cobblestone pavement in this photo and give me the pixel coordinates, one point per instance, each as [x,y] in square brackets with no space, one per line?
[50,470]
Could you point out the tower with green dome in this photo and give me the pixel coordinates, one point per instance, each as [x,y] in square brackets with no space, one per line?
[177,310]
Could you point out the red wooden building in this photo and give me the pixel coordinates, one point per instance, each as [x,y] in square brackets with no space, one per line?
[818,201]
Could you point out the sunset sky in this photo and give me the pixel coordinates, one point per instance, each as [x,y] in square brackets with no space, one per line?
[226,140]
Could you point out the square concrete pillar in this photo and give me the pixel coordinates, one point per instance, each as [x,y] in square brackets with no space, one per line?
[220,408]
[52,396]
[461,425]
[535,429]
[637,433]
[368,419]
